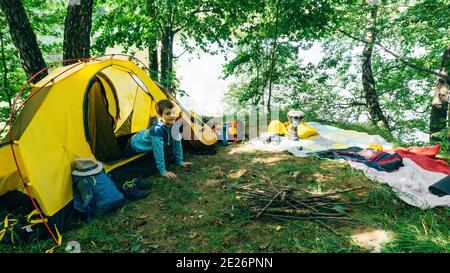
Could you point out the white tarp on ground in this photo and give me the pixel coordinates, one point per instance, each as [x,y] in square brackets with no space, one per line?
[329,138]
[410,182]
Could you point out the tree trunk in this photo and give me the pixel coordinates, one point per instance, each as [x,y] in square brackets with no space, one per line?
[164,58]
[152,44]
[272,61]
[368,81]
[170,85]
[23,38]
[77,30]
[5,72]
[167,59]
[439,105]
[153,59]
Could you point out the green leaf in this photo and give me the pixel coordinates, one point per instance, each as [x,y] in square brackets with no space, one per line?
[339,209]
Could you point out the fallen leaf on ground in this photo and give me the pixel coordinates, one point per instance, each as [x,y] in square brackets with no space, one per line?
[237,174]
[143,216]
[264,246]
[319,177]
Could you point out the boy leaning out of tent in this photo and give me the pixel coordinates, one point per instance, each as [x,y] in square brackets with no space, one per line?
[161,139]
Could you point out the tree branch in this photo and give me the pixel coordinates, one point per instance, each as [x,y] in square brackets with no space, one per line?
[192,14]
[385,69]
[400,58]
[176,57]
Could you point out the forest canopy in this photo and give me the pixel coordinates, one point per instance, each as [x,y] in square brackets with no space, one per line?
[383,63]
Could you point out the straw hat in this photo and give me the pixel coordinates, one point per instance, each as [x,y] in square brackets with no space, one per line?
[86,167]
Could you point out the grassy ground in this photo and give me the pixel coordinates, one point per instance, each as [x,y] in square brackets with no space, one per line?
[199,212]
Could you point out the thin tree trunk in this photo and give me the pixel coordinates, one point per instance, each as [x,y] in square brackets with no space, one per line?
[77,30]
[152,44]
[272,61]
[170,85]
[439,105]
[368,81]
[167,59]
[23,38]
[164,58]
[5,72]
[153,59]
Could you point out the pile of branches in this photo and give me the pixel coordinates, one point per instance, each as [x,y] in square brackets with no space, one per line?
[290,203]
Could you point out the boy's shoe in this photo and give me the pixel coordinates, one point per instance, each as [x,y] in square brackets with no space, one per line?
[143,184]
[132,191]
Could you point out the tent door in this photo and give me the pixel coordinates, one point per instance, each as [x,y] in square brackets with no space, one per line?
[99,123]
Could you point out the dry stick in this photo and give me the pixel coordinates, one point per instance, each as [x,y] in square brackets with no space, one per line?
[364,221]
[318,221]
[268,204]
[312,208]
[308,217]
[328,227]
[339,203]
[337,192]
[270,179]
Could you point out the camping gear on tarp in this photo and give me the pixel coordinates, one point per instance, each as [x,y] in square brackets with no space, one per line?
[277,127]
[429,151]
[93,190]
[377,147]
[305,131]
[328,137]
[425,158]
[379,160]
[79,110]
[294,117]
[411,183]
[275,139]
[349,137]
[441,188]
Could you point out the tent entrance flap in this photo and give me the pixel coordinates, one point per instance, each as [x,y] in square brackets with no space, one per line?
[98,122]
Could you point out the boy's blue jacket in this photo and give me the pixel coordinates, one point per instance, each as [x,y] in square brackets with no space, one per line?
[155,139]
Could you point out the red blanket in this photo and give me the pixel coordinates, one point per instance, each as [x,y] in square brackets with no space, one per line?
[425,158]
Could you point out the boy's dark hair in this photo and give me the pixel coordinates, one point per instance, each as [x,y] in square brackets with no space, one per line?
[163,104]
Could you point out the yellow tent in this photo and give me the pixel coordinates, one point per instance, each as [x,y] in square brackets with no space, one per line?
[81,110]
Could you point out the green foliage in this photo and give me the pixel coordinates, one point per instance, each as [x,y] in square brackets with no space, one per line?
[46,18]
[267,46]
[443,138]
[332,89]
[144,24]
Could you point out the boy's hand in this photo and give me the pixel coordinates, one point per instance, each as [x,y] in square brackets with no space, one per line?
[170,175]
[186,164]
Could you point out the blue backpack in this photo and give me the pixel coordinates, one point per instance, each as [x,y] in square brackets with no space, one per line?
[95,194]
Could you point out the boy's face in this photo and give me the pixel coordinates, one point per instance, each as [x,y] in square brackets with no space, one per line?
[168,116]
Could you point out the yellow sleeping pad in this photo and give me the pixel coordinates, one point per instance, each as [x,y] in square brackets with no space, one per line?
[305,131]
[277,127]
